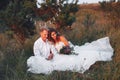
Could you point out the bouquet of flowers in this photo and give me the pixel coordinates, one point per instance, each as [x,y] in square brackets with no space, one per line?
[66,50]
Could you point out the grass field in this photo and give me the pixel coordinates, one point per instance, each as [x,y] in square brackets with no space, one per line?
[92,23]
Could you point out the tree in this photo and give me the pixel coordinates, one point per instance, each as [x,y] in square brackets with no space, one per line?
[3,4]
[59,12]
[17,15]
[112,0]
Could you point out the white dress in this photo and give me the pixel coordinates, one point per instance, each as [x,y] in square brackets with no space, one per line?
[88,54]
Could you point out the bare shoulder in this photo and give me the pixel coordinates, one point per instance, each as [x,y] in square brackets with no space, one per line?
[62,38]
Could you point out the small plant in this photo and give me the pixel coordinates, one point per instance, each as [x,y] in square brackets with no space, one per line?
[88,21]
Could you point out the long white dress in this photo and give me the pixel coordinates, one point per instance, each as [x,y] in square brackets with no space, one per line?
[88,54]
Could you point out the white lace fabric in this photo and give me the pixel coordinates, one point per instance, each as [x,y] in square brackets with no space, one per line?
[88,54]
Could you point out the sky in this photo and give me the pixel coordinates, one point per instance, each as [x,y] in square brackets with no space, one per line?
[79,1]
[90,1]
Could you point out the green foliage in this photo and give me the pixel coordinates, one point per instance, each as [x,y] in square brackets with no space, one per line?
[13,64]
[89,21]
[3,4]
[18,13]
[61,14]
[13,57]
[3,27]
[106,6]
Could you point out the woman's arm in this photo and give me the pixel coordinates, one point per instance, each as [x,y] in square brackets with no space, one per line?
[64,40]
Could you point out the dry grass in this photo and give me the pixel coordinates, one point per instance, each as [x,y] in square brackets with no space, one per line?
[13,56]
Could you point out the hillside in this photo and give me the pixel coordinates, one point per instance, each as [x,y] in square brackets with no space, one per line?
[92,22]
[94,6]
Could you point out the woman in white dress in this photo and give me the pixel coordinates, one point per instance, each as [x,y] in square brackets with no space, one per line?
[59,41]
[87,54]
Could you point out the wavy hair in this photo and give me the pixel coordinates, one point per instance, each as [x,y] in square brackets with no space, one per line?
[50,30]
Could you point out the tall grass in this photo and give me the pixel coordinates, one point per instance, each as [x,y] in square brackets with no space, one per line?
[13,56]
[13,64]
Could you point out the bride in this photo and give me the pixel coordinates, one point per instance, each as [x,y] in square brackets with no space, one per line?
[85,55]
